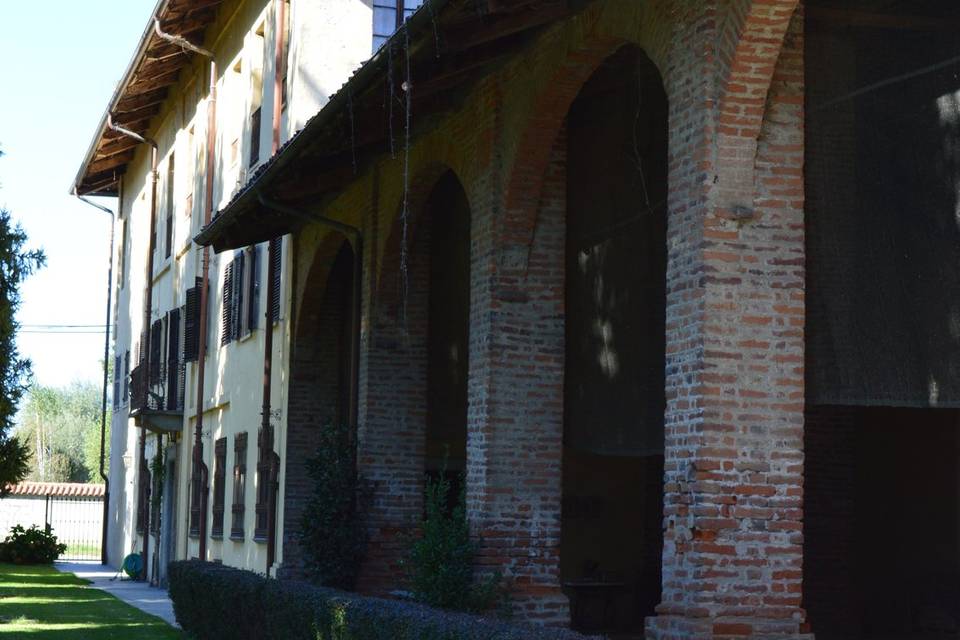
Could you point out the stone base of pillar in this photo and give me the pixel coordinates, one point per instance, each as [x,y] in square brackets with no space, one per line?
[679,627]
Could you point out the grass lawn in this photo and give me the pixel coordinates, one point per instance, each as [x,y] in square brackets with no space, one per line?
[39,602]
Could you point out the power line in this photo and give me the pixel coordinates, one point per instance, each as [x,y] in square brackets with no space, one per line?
[62,326]
[64,332]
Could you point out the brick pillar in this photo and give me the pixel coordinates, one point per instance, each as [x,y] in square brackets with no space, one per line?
[733,493]
[515,438]
[392,422]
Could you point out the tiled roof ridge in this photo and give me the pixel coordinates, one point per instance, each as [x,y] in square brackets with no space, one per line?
[57,489]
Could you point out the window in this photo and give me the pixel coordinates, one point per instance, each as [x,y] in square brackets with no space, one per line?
[241,288]
[157,490]
[175,373]
[196,496]
[191,323]
[388,16]
[235,94]
[239,485]
[219,480]
[156,349]
[143,497]
[116,381]
[126,377]
[276,262]
[256,96]
[168,240]
[250,280]
[284,65]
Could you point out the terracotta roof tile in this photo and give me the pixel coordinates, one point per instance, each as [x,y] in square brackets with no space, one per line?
[58,489]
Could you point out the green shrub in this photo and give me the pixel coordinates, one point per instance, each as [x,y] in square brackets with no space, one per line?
[31,546]
[333,531]
[214,602]
[441,559]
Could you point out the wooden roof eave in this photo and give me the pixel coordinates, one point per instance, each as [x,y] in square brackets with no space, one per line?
[139,95]
[244,221]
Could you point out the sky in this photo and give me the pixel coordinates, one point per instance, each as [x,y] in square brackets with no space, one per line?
[59,81]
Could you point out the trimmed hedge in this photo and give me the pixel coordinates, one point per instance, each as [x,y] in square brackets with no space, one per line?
[214,602]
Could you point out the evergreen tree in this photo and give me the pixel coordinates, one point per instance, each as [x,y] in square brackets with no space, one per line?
[16,263]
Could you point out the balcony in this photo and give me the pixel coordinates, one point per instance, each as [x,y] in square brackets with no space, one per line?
[148,407]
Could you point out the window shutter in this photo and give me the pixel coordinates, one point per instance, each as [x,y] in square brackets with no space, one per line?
[239,485]
[126,376]
[117,373]
[276,260]
[226,314]
[191,324]
[155,351]
[238,262]
[173,359]
[219,489]
[253,295]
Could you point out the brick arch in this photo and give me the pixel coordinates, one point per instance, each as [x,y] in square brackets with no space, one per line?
[749,46]
[389,289]
[549,112]
[310,291]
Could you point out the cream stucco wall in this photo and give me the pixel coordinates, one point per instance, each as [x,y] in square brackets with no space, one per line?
[329,39]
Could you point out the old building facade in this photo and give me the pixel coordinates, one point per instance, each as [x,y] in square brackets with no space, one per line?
[598,261]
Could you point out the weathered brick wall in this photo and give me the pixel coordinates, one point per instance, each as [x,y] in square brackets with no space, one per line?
[514,455]
[392,433]
[734,380]
[734,449]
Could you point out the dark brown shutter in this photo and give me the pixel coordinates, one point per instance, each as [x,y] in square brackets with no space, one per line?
[117,375]
[126,377]
[276,260]
[191,324]
[253,310]
[219,489]
[239,485]
[238,268]
[196,497]
[156,334]
[226,314]
[173,359]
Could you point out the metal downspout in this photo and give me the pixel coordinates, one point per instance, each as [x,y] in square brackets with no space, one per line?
[357,236]
[200,468]
[147,314]
[106,359]
[266,443]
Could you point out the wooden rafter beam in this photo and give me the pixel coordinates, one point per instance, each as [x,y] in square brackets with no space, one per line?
[112,162]
[142,100]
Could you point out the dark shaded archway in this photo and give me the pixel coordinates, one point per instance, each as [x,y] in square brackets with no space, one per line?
[881,527]
[615,262]
[320,373]
[447,213]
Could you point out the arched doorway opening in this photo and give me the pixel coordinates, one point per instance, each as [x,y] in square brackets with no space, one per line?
[447,226]
[320,384]
[615,300]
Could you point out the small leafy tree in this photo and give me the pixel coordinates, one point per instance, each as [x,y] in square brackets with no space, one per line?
[333,531]
[441,559]
[16,263]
